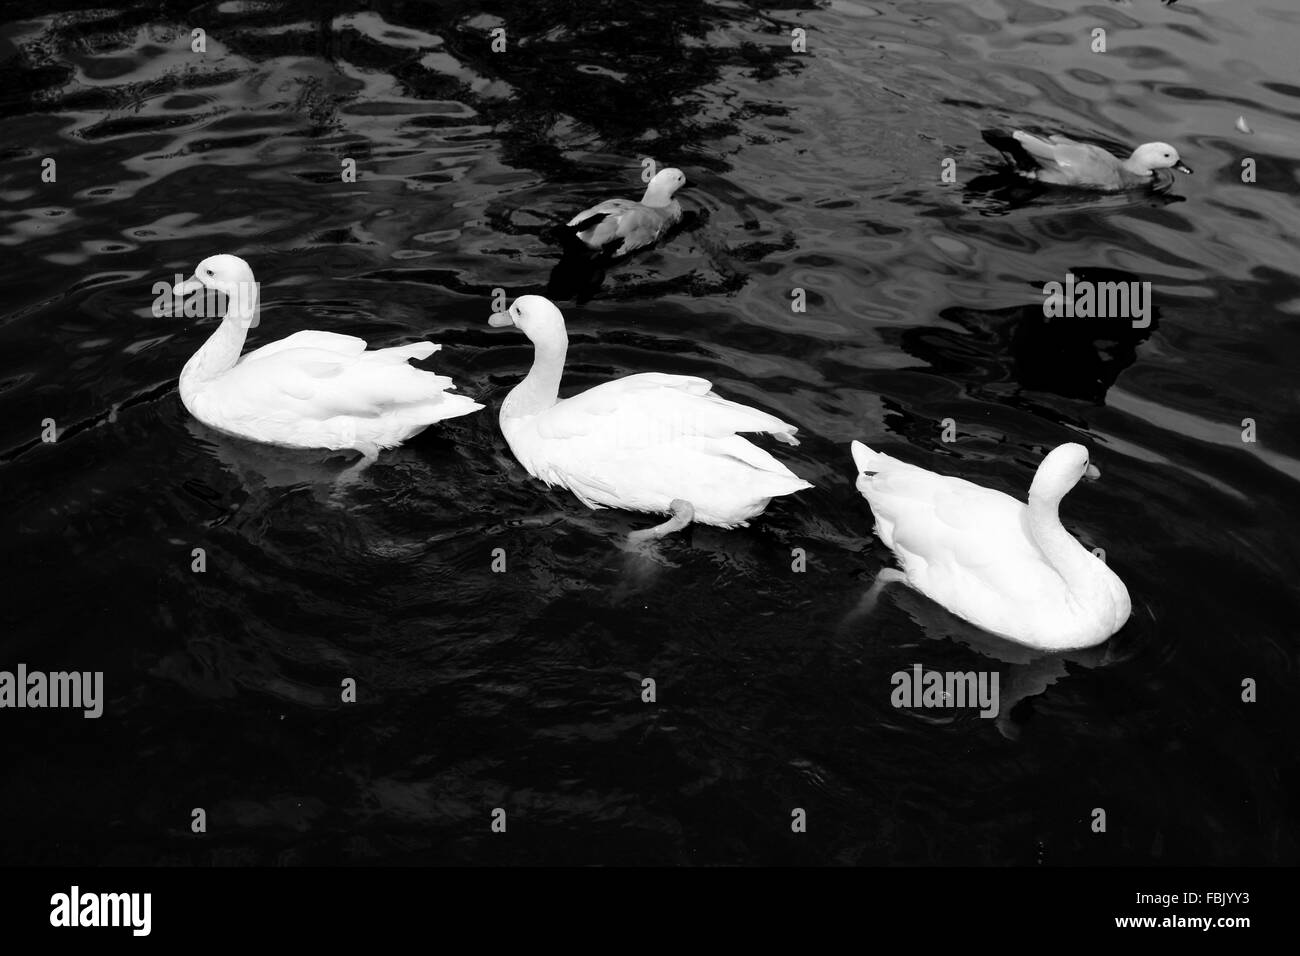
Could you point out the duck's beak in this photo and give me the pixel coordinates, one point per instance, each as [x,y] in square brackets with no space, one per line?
[1183,167]
[1092,471]
[500,320]
[183,289]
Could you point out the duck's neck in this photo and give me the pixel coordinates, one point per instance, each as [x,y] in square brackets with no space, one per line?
[1075,563]
[540,389]
[1134,168]
[221,351]
[656,198]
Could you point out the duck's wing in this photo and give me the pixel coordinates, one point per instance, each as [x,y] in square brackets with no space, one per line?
[653,408]
[643,225]
[644,427]
[1009,145]
[322,375]
[926,511]
[1066,161]
[950,533]
[1043,150]
[311,339]
[589,218]
[631,224]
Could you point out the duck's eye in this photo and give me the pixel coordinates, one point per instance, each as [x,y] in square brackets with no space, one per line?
[208,271]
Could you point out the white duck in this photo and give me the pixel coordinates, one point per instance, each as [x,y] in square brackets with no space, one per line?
[1064,162]
[632,224]
[312,389]
[650,442]
[1009,568]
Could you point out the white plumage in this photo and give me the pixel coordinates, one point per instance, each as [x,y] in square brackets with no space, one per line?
[312,389]
[1009,568]
[642,442]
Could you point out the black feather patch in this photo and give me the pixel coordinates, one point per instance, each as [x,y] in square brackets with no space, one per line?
[591,222]
[1009,146]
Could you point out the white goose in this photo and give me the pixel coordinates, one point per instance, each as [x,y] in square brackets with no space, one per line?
[649,442]
[312,389]
[1009,568]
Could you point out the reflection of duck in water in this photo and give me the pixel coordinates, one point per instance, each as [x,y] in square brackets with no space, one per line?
[1076,357]
[264,468]
[270,477]
[274,480]
[1024,673]
[1081,355]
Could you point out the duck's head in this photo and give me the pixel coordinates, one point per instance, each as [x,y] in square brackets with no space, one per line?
[659,191]
[224,273]
[1061,470]
[1153,156]
[536,316]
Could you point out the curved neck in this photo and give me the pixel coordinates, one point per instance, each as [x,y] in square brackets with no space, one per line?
[1131,165]
[540,388]
[656,198]
[221,351]
[1075,563]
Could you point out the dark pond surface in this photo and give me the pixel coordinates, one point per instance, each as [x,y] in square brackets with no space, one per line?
[522,690]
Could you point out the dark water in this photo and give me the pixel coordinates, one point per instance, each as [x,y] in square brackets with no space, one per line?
[521,690]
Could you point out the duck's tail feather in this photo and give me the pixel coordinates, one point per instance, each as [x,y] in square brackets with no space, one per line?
[386,383]
[1006,143]
[600,234]
[451,405]
[867,459]
[579,226]
[416,418]
[401,353]
[584,237]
